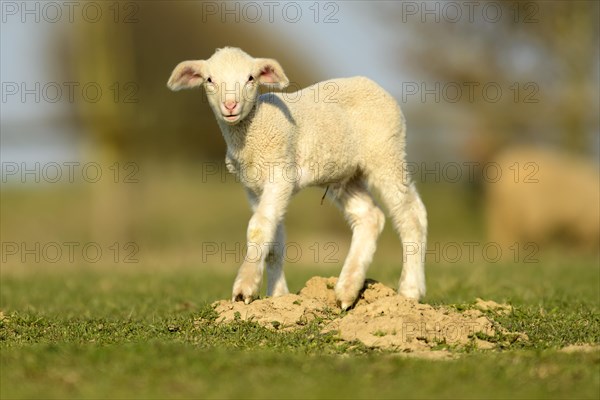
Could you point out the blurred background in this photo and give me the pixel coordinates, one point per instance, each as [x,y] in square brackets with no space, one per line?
[102,164]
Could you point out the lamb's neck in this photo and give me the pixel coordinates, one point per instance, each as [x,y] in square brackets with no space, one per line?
[236,136]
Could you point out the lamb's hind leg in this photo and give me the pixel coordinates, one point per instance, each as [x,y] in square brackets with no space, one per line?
[366,221]
[409,217]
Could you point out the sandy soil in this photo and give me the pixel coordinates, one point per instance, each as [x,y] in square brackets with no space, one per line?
[380,318]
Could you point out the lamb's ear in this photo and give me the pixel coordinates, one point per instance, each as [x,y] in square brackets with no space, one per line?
[270,73]
[187,75]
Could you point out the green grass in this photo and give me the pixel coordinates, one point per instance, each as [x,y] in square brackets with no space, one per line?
[135,333]
[146,330]
[157,369]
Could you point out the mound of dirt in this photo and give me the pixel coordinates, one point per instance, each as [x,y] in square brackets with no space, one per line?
[380,318]
[581,348]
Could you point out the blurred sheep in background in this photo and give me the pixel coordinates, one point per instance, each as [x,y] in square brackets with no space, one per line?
[543,196]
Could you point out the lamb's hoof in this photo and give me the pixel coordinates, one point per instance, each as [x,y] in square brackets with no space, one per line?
[247,299]
[412,293]
[279,291]
[346,302]
[346,293]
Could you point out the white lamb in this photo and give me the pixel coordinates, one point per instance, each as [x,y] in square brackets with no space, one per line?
[345,134]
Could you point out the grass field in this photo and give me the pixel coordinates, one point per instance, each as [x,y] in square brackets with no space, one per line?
[138,334]
[146,329]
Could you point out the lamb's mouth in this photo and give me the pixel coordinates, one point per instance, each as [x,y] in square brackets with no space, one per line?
[231,118]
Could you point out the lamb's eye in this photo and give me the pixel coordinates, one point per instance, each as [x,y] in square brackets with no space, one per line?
[209,80]
[250,78]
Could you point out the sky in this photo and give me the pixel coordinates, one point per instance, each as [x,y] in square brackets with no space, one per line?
[24,58]
[357,44]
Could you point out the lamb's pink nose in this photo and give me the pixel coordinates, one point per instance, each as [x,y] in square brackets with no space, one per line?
[230,104]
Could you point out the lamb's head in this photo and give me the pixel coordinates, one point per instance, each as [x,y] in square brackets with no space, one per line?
[231,79]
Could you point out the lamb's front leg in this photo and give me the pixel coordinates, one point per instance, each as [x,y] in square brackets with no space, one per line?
[276,284]
[261,240]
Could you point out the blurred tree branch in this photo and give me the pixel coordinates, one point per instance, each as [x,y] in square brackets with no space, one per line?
[552,45]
